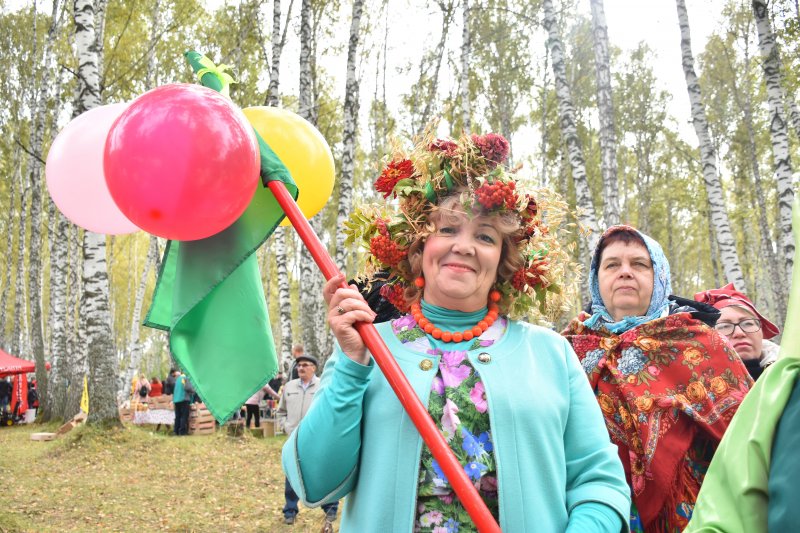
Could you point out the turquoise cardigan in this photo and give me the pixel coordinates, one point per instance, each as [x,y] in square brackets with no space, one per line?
[550,442]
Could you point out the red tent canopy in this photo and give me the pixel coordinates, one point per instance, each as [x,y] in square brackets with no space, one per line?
[10,365]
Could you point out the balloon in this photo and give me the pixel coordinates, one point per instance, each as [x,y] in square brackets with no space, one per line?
[303,150]
[182,162]
[74,173]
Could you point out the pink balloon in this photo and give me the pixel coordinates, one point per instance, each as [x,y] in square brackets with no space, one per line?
[74,172]
[182,162]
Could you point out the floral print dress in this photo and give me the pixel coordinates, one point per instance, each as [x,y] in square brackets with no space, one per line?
[459,408]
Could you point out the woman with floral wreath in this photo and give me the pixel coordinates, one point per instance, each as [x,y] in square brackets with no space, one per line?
[667,383]
[464,249]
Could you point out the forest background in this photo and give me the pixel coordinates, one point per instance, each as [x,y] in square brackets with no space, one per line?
[711,179]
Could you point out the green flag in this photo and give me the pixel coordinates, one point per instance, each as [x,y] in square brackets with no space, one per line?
[209,294]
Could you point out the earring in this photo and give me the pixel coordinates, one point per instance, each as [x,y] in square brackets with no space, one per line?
[419,282]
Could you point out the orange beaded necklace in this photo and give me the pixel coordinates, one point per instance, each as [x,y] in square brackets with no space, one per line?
[458,336]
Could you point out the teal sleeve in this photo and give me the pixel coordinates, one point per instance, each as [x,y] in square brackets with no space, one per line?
[320,458]
[783,512]
[594,517]
[594,470]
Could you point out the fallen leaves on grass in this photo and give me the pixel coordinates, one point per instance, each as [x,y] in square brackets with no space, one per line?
[115,480]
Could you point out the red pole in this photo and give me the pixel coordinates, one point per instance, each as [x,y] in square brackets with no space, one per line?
[458,479]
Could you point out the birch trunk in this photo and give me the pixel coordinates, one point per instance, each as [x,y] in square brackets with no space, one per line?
[466,45]
[75,361]
[12,218]
[96,324]
[284,299]
[605,104]
[543,125]
[311,309]
[351,96]
[150,73]
[35,180]
[430,100]
[306,87]
[569,130]
[134,346]
[779,135]
[19,336]
[59,264]
[278,41]
[279,237]
[794,114]
[708,158]
[744,100]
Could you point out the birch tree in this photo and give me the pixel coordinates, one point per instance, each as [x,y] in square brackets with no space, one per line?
[35,180]
[279,239]
[779,134]
[134,345]
[351,100]
[605,104]
[278,41]
[422,100]
[96,324]
[708,157]
[463,86]
[311,309]
[569,130]
[739,78]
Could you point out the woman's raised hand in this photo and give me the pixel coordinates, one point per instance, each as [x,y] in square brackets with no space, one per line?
[345,308]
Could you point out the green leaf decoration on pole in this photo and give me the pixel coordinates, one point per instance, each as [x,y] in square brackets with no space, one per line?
[209,294]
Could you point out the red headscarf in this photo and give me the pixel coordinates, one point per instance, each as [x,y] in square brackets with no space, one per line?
[728,295]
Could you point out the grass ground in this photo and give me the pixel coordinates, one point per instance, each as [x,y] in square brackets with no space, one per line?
[137,480]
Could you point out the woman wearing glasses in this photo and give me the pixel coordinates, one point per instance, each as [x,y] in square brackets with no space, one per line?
[667,383]
[744,327]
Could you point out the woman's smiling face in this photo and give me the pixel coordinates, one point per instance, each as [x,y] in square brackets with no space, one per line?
[459,261]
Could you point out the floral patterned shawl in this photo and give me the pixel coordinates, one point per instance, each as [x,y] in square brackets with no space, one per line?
[667,389]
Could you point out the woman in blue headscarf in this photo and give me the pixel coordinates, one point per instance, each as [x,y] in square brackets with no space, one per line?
[666,382]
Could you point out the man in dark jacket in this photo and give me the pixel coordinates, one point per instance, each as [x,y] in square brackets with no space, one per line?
[169,383]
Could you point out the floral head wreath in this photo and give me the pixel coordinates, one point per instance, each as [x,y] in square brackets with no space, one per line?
[437,168]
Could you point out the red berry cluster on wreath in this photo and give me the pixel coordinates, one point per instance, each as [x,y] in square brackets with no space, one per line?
[394,295]
[497,194]
[384,248]
[530,276]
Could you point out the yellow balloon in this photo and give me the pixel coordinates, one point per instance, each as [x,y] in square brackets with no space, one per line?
[303,150]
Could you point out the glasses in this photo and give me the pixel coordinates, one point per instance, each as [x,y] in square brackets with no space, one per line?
[751,325]
[302,365]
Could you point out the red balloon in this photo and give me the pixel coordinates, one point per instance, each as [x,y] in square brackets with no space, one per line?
[182,162]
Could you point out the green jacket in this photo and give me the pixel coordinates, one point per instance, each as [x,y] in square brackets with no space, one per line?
[735,497]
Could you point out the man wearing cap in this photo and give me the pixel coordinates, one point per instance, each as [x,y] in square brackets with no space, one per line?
[295,400]
[743,327]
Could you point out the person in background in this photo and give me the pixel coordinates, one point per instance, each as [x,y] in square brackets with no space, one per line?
[169,383]
[156,388]
[142,388]
[182,398]
[297,350]
[666,382]
[294,403]
[33,397]
[744,327]
[276,383]
[253,404]
[5,394]
[465,248]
